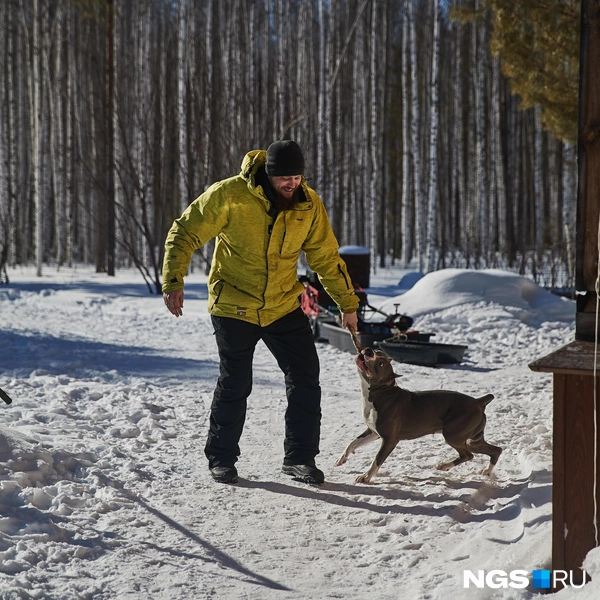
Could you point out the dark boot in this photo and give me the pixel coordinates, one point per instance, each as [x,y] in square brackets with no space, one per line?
[224,474]
[306,473]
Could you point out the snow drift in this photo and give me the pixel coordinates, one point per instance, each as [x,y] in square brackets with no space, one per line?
[448,288]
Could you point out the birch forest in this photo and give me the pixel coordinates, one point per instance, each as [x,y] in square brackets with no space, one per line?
[116,114]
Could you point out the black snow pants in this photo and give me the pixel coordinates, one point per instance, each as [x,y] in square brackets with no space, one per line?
[291,342]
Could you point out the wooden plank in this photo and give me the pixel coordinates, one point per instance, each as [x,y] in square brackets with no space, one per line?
[578,471]
[585,322]
[558,473]
[575,358]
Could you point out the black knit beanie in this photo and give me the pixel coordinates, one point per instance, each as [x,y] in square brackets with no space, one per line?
[284,159]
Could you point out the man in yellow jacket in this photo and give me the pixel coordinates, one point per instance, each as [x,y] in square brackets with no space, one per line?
[262,219]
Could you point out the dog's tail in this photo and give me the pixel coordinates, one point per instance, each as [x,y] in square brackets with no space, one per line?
[485,400]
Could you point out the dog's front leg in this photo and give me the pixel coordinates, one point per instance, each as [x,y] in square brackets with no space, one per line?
[364,438]
[387,445]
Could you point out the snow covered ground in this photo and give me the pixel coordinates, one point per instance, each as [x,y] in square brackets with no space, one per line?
[105,492]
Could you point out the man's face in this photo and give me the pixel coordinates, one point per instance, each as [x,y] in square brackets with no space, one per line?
[286,186]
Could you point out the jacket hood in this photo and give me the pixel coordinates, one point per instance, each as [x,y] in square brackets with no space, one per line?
[252,162]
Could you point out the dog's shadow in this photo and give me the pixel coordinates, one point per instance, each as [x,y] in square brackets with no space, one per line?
[331,493]
[468,366]
[428,501]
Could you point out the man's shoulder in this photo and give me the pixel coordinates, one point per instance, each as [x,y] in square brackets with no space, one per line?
[225,186]
[311,195]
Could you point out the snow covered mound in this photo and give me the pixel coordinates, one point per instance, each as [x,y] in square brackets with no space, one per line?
[32,464]
[38,490]
[448,288]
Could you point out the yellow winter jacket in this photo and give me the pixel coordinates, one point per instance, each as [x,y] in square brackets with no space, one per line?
[253,275]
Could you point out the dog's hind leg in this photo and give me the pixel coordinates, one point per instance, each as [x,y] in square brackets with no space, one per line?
[456,433]
[463,456]
[387,445]
[480,446]
[364,438]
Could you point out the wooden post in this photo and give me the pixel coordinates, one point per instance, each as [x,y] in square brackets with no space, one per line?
[588,157]
[573,461]
[576,463]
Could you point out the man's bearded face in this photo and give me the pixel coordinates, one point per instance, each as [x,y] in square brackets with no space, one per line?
[286,189]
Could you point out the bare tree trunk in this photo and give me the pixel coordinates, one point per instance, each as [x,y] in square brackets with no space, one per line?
[328,164]
[374,92]
[89,187]
[142,133]
[183,192]
[407,183]
[435,110]
[417,196]
[481,143]
[512,185]
[355,221]
[498,166]
[253,117]
[280,112]
[34,59]
[58,145]
[5,196]
[100,225]
[110,135]
[69,138]
[457,172]
[208,93]
[322,100]
[10,250]
[360,189]
[52,147]
[226,37]
[537,184]
[239,131]
[569,203]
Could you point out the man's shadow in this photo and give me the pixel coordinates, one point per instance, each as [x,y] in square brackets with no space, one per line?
[218,556]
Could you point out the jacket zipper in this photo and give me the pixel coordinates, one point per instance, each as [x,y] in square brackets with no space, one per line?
[219,294]
[283,239]
[344,276]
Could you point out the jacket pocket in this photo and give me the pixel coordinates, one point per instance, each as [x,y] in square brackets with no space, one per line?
[215,291]
[230,298]
[295,233]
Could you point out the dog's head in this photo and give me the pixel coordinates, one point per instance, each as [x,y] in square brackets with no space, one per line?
[375,367]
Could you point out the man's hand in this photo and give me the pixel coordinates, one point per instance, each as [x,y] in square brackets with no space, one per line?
[174,302]
[350,321]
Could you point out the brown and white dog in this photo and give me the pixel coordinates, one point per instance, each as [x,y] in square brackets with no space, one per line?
[393,414]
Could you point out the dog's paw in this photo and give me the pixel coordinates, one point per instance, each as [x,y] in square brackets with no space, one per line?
[341,460]
[487,471]
[364,478]
[444,466]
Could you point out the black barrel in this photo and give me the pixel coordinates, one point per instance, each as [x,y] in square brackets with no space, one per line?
[358,261]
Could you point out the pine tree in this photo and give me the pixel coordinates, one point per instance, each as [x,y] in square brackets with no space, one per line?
[538,47]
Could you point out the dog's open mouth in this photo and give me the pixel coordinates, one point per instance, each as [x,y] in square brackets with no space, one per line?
[361,363]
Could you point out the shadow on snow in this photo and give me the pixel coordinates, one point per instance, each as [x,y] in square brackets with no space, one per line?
[56,356]
[194,291]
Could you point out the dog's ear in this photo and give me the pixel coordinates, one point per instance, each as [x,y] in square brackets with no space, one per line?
[396,375]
